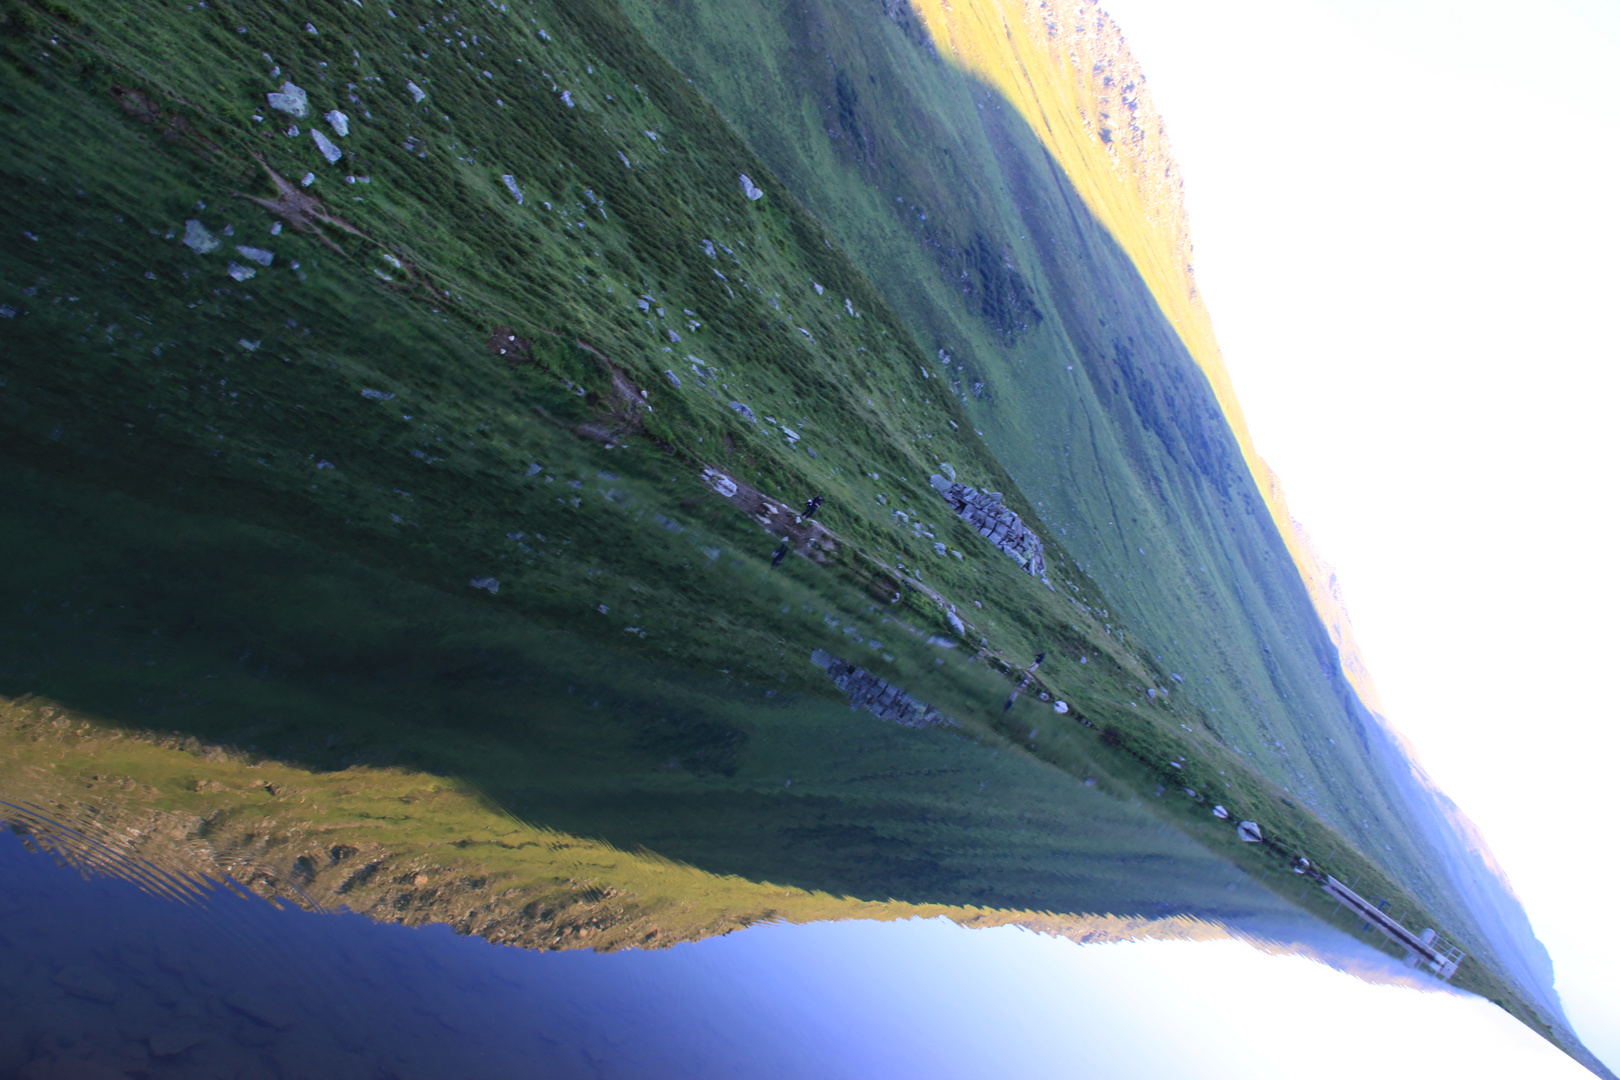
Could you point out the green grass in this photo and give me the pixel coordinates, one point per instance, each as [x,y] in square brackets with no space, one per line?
[1093,404]
[250,550]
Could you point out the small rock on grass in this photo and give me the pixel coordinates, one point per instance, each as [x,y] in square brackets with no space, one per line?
[327,147]
[198,238]
[290,99]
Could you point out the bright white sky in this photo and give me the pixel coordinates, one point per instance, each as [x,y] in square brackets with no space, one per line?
[1406,227]
[931,999]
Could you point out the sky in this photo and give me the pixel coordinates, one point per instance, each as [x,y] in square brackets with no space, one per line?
[1405,227]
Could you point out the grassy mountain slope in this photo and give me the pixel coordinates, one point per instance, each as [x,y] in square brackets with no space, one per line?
[147,377]
[1088,395]
[1068,72]
[266,483]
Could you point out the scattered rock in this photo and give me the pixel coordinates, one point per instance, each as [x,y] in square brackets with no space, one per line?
[867,691]
[674,379]
[417,93]
[239,272]
[744,411]
[754,194]
[1060,707]
[1221,812]
[956,622]
[722,483]
[799,532]
[258,255]
[377,395]
[504,342]
[1249,832]
[511,185]
[339,122]
[198,238]
[327,147]
[948,469]
[488,584]
[290,99]
[985,512]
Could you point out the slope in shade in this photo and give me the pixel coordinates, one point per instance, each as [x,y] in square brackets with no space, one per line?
[923,133]
[548,355]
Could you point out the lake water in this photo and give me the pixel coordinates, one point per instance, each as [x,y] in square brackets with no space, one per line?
[321,820]
[100,977]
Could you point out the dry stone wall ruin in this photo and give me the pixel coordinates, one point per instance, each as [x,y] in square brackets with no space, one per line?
[867,691]
[985,512]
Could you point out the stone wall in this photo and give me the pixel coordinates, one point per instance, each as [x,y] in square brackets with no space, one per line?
[985,512]
[867,691]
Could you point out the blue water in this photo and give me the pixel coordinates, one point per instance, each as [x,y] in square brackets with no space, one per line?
[97,970]
[99,979]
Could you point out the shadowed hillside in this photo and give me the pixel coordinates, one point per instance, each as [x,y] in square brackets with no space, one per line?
[922,133]
[445,390]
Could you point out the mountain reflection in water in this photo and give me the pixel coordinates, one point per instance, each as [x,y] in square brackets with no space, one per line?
[100,977]
[345,742]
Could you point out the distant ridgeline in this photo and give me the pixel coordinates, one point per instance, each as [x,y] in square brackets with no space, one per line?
[425,396]
[1068,69]
[997,169]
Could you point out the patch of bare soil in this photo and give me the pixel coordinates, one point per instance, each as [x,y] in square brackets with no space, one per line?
[505,343]
[172,128]
[300,209]
[807,536]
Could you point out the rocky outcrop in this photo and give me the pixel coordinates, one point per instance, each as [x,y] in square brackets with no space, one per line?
[867,691]
[997,524]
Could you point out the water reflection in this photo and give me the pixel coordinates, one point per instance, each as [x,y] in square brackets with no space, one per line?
[178,819]
[100,977]
[355,731]
[338,738]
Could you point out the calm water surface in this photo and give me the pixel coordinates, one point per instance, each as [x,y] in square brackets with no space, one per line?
[102,978]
